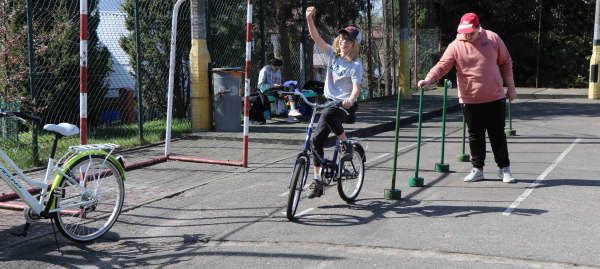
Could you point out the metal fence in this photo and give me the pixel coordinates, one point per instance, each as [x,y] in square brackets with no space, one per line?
[116,114]
[113,104]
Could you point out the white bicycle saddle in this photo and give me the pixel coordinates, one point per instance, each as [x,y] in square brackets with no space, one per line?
[62,128]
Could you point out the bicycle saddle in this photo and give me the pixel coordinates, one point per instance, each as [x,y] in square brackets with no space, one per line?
[64,129]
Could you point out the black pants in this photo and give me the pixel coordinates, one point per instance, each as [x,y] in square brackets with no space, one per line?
[330,121]
[488,117]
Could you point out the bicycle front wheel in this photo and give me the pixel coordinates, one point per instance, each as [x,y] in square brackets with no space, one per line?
[352,175]
[101,177]
[296,187]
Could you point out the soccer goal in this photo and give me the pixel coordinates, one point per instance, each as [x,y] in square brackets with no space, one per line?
[168,155]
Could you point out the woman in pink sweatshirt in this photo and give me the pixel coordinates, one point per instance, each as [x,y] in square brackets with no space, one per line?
[481,59]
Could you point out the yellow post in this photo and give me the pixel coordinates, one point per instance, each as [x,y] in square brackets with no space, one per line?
[594,85]
[404,72]
[404,63]
[201,102]
[595,60]
[201,105]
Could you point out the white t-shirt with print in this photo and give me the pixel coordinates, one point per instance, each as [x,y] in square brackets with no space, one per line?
[340,76]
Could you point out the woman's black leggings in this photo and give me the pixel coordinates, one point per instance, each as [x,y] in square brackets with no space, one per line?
[330,121]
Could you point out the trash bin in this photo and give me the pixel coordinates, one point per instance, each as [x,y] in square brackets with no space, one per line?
[227,102]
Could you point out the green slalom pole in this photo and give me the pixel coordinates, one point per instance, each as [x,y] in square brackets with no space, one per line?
[510,131]
[417,181]
[463,157]
[393,194]
[443,167]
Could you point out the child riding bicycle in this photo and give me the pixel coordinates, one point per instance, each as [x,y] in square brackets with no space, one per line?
[342,83]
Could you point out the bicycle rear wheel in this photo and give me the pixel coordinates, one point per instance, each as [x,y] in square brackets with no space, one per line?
[352,175]
[296,187]
[100,176]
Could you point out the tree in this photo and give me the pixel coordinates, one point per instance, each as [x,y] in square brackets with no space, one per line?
[387,39]
[56,49]
[566,36]
[286,17]
[13,54]
[155,34]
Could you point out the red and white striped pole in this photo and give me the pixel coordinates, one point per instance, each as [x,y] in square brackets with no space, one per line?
[83,11]
[247,88]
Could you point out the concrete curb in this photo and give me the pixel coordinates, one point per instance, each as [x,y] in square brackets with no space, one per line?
[391,125]
[368,131]
[551,96]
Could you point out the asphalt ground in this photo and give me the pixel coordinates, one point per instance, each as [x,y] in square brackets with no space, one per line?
[234,216]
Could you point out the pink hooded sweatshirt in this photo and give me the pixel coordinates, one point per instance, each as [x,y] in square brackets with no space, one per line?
[478,67]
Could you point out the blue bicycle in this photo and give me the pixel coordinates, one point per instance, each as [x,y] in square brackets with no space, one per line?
[349,175]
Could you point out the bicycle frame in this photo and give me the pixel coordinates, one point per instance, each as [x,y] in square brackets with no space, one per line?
[38,206]
[323,162]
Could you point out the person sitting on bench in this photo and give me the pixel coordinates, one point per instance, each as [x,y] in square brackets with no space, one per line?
[270,79]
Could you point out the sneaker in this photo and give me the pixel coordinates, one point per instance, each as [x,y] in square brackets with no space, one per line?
[315,189]
[347,151]
[505,175]
[253,122]
[295,113]
[292,120]
[475,175]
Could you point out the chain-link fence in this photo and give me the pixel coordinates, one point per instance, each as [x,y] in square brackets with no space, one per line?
[113,106]
[117,114]
[279,30]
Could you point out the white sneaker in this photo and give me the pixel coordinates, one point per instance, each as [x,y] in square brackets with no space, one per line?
[295,113]
[292,120]
[505,175]
[475,175]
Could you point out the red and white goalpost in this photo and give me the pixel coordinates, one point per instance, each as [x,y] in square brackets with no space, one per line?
[83,62]
[168,156]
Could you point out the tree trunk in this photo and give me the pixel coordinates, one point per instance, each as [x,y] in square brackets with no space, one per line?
[388,50]
[284,43]
[309,60]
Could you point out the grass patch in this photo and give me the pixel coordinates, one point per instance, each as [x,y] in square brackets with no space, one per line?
[127,136]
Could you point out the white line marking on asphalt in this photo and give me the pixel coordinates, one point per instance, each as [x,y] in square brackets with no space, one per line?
[401,149]
[378,157]
[300,215]
[539,179]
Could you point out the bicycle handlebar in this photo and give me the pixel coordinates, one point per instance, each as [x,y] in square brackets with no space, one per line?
[314,104]
[22,116]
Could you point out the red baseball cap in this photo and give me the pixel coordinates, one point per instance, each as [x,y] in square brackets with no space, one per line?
[468,22]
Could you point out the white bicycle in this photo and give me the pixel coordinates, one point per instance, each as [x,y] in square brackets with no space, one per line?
[86,196]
